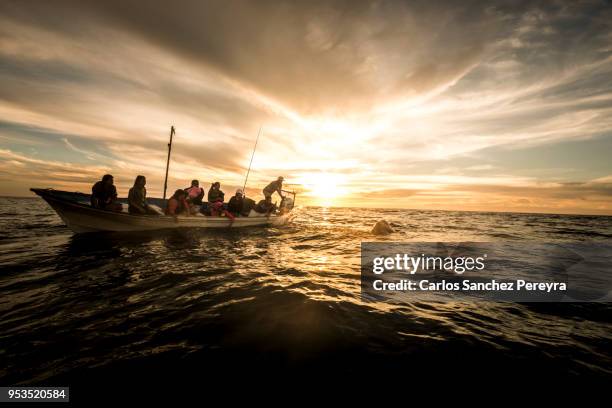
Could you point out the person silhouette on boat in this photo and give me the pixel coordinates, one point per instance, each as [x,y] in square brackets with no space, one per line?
[215,201]
[215,194]
[137,198]
[104,195]
[215,198]
[236,203]
[266,206]
[195,193]
[177,204]
[274,187]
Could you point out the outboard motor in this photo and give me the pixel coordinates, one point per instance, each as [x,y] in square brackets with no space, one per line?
[286,204]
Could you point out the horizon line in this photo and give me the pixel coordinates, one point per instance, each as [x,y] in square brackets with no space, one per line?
[412,209]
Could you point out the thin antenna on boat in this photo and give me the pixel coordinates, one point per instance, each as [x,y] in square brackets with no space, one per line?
[251,162]
[168,161]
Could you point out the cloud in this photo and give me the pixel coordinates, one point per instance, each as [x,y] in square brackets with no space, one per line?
[90,155]
[390,193]
[15,167]
[529,196]
[389,96]
[311,56]
[480,167]
[576,190]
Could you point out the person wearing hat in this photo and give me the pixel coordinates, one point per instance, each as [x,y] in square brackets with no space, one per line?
[274,187]
[236,203]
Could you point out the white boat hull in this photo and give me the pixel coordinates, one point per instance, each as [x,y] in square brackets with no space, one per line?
[81,218]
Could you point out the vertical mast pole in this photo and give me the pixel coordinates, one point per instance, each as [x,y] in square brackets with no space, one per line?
[168,160]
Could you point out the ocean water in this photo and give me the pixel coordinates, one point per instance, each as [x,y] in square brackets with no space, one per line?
[284,302]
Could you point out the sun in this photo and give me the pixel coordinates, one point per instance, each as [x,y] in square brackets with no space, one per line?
[323,189]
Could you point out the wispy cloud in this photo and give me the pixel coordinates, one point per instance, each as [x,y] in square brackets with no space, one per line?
[366,95]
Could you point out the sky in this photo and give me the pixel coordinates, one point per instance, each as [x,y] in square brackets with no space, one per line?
[483,106]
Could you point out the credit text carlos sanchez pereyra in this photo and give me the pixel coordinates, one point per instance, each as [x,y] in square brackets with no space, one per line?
[459,265]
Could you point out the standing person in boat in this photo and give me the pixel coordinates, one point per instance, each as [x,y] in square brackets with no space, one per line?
[274,187]
[195,193]
[137,198]
[265,206]
[236,203]
[104,195]
[177,204]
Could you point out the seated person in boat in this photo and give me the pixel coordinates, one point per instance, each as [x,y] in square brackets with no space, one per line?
[195,193]
[137,198]
[104,195]
[274,187]
[236,203]
[215,194]
[265,206]
[247,206]
[215,201]
[177,204]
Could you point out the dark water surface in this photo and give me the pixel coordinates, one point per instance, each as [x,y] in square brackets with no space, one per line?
[286,301]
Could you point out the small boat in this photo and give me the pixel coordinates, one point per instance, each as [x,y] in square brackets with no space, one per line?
[75,210]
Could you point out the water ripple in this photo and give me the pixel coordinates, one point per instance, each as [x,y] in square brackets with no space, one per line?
[70,303]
